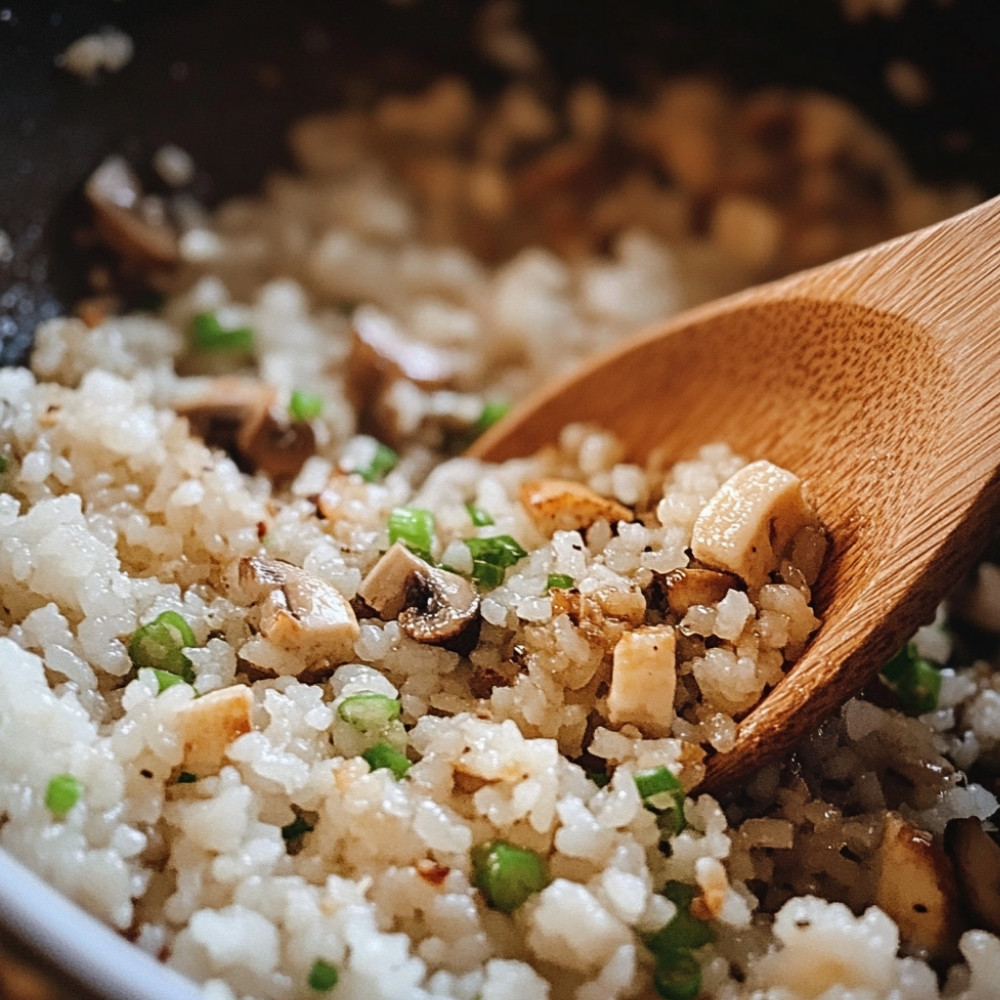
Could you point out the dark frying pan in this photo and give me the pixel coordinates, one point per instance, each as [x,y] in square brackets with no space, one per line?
[223,78]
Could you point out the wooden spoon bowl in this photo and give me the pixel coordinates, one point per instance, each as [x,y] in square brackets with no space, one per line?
[876,379]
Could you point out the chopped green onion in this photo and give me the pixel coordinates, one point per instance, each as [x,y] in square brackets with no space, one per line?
[305,405]
[186,778]
[384,756]
[62,793]
[208,334]
[4,464]
[599,778]
[915,679]
[489,415]
[298,827]
[369,712]
[678,977]
[383,462]
[166,679]
[414,527]
[323,976]
[558,581]
[480,518]
[507,875]
[491,556]
[662,794]
[160,643]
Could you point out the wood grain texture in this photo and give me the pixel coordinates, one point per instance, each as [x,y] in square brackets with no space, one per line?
[877,380]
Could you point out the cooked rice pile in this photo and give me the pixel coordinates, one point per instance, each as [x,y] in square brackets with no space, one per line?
[318,801]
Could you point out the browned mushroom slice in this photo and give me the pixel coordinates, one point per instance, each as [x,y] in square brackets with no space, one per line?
[116,197]
[381,353]
[565,505]
[299,611]
[432,605]
[227,403]
[278,448]
[977,864]
[917,888]
[235,414]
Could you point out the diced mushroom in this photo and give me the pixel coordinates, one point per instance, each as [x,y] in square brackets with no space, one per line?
[916,887]
[236,414]
[643,680]
[432,605]
[116,197]
[977,864]
[750,521]
[684,588]
[207,725]
[277,447]
[565,505]
[299,611]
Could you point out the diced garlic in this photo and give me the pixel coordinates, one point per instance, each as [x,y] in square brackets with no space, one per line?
[643,680]
[207,725]
[750,521]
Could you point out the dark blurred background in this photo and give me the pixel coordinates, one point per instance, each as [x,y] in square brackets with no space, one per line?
[223,78]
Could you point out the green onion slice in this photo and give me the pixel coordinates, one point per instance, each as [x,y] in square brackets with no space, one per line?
[208,334]
[491,412]
[323,976]
[491,557]
[62,793]
[166,679]
[305,405]
[160,643]
[186,778]
[678,977]
[558,581]
[662,794]
[384,756]
[369,712]
[383,462]
[507,875]
[915,679]
[414,527]
[480,518]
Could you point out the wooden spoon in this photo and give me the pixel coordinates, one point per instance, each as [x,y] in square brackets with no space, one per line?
[877,380]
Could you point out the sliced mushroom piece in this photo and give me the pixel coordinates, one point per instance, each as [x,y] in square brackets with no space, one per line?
[381,353]
[684,588]
[566,505]
[917,888]
[643,680]
[236,414]
[209,724]
[115,195]
[977,864]
[299,611]
[278,448]
[749,522]
[431,605]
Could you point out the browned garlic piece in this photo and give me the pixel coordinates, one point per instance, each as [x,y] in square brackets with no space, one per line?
[566,505]
[750,521]
[684,588]
[643,680]
[207,725]
[299,611]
